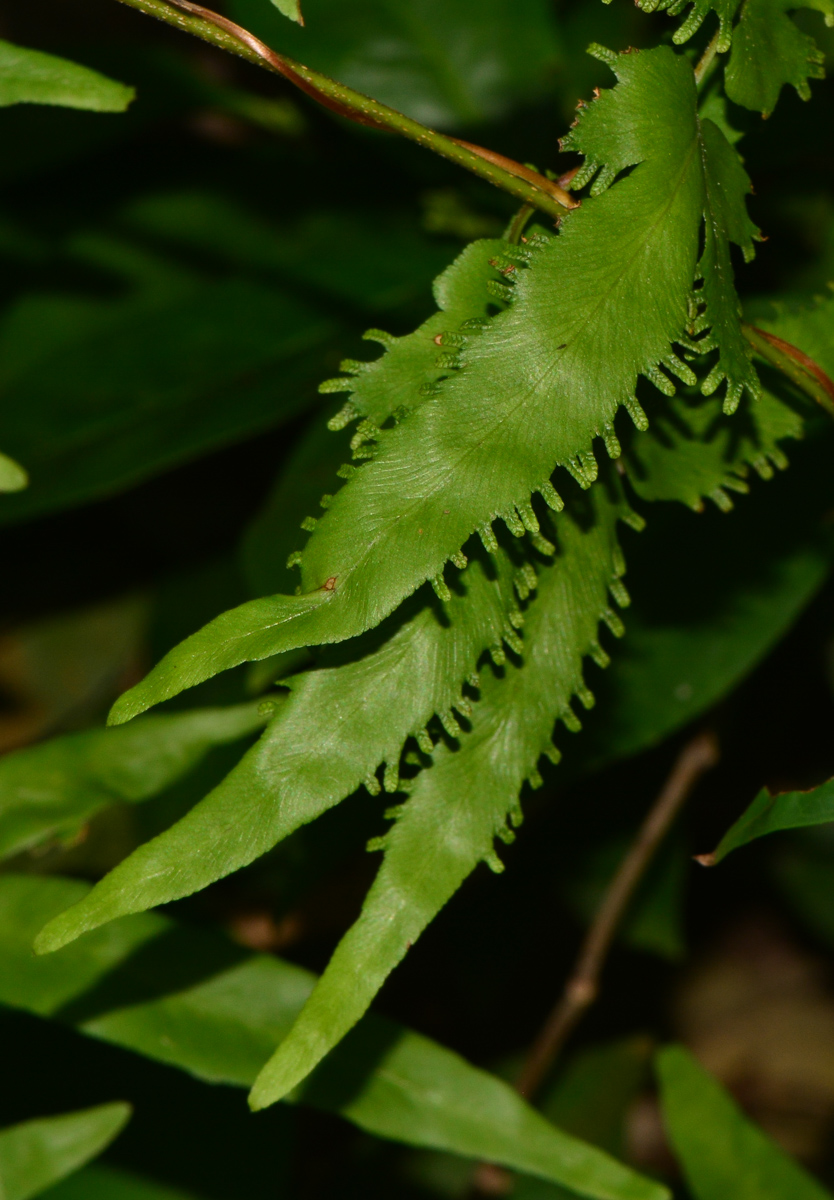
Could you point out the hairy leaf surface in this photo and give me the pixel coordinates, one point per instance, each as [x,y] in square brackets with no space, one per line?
[330,735]
[37,1154]
[216,1011]
[32,77]
[725,221]
[769,51]
[50,789]
[532,390]
[461,803]
[722,1153]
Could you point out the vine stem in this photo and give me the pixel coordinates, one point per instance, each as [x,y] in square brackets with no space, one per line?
[582,988]
[520,181]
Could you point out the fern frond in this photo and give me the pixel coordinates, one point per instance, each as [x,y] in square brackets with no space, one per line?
[769,51]
[725,10]
[527,391]
[463,802]
[338,724]
[726,220]
[693,452]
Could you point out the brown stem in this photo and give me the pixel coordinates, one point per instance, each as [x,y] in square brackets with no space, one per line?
[583,986]
[793,362]
[502,172]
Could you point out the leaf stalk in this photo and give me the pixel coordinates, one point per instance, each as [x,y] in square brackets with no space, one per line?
[799,367]
[520,181]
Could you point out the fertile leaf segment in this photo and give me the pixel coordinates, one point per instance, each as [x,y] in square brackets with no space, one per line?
[532,353]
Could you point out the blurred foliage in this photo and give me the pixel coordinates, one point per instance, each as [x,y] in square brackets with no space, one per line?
[176,281]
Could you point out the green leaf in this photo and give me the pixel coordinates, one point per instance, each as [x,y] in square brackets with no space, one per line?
[808,328]
[100,1182]
[50,789]
[32,77]
[38,1153]
[725,10]
[275,624]
[769,51]
[461,803]
[731,587]
[274,534]
[442,63]
[725,219]
[721,1152]
[769,813]
[195,1001]
[13,477]
[291,9]
[328,737]
[692,451]
[373,258]
[99,395]
[519,399]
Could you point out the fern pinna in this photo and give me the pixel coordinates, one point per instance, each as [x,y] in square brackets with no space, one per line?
[469,567]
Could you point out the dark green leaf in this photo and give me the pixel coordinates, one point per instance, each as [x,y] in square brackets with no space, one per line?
[38,1153]
[50,789]
[199,1003]
[462,802]
[722,1153]
[443,62]
[109,1183]
[99,396]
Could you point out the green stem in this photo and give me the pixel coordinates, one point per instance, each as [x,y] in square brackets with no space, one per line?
[504,173]
[706,63]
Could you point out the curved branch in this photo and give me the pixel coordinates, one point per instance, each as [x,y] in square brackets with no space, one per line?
[504,173]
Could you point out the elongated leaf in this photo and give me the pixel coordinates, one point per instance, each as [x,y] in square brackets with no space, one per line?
[769,813]
[443,63]
[38,1153]
[390,385]
[32,77]
[725,220]
[100,396]
[196,1002]
[519,401]
[373,259]
[769,51]
[330,735]
[461,803]
[721,1152]
[50,789]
